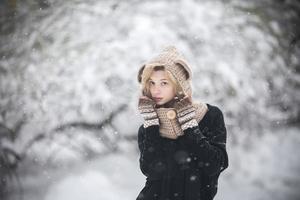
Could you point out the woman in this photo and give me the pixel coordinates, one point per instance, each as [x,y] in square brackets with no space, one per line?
[182,143]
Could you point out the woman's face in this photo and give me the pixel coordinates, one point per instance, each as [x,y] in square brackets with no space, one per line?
[161,88]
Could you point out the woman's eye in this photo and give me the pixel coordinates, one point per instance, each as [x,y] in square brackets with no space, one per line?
[164,83]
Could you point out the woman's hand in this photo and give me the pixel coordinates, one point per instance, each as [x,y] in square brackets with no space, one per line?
[146,109]
[185,113]
[183,103]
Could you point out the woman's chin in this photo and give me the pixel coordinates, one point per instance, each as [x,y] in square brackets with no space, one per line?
[165,104]
[160,104]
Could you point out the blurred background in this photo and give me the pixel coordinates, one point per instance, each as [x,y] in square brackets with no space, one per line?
[68,92]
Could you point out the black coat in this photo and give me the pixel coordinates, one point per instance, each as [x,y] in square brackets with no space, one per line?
[188,167]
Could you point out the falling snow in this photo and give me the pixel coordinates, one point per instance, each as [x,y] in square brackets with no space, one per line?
[71,64]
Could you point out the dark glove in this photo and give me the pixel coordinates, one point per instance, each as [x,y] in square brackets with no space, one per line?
[186,113]
[146,109]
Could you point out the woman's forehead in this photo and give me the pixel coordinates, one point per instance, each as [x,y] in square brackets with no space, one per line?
[159,75]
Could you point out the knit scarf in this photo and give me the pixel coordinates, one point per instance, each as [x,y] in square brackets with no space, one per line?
[171,128]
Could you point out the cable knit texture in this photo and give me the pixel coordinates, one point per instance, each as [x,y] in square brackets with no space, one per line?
[171,128]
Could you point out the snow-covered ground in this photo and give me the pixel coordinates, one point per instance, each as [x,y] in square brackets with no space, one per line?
[266,170]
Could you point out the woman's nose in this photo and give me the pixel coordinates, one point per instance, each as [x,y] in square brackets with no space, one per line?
[156,90]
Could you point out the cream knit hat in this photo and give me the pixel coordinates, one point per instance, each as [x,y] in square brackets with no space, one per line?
[174,63]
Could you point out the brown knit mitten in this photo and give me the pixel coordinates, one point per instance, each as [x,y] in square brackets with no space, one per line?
[146,109]
[186,113]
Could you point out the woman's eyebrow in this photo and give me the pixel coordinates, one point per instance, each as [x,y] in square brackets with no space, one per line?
[160,79]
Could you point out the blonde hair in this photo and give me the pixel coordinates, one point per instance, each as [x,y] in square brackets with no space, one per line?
[147,75]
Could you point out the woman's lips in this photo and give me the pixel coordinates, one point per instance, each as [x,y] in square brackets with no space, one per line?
[158,99]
